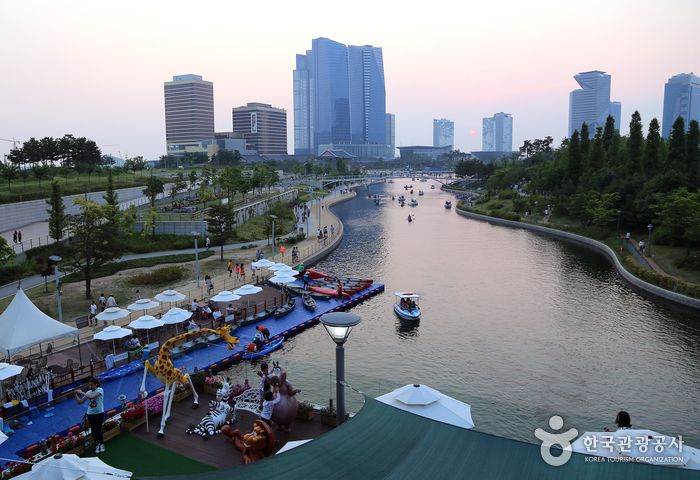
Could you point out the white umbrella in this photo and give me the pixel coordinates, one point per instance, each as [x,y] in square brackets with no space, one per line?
[263,263]
[287,271]
[71,467]
[430,403]
[143,304]
[7,370]
[247,290]
[113,313]
[225,296]
[283,279]
[169,296]
[175,316]
[146,322]
[112,333]
[279,266]
[3,437]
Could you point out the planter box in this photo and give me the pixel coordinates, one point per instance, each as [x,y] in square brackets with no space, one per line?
[110,434]
[129,426]
[180,397]
[305,415]
[332,421]
[210,390]
[79,450]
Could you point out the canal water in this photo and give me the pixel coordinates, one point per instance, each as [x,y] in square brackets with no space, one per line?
[519,325]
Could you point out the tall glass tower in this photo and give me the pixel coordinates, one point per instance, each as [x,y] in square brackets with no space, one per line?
[443,133]
[339,96]
[497,133]
[591,103]
[681,98]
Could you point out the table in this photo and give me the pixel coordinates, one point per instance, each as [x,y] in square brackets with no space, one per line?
[58,369]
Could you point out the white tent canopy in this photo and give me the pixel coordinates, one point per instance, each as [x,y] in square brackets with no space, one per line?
[22,325]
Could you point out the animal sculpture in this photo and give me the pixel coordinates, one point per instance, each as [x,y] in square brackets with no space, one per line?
[255,445]
[213,421]
[164,370]
[284,411]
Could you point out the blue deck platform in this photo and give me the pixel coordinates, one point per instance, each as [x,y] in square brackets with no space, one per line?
[68,414]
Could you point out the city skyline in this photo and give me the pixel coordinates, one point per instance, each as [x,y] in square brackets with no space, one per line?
[98,70]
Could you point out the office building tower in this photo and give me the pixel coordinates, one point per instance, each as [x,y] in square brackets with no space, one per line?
[443,133]
[681,99]
[591,103]
[264,128]
[391,133]
[339,97]
[497,133]
[189,112]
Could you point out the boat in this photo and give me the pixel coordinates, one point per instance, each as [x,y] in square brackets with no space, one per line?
[411,192]
[329,291]
[313,275]
[402,198]
[448,204]
[432,187]
[391,181]
[258,317]
[420,192]
[348,279]
[410,219]
[120,372]
[412,203]
[299,291]
[423,180]
[407,313]
[267,348]
[308,302]
[376,202]
[286,308]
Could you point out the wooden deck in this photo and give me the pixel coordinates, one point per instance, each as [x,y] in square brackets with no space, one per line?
[216,451]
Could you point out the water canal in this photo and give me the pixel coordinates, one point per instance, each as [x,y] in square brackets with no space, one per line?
[519,325]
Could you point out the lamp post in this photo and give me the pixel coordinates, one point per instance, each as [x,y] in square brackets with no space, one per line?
[650,227]
[339,325]
[273,217]
[196,255]
[311,194]
[618,222]
[536,211]
[55,259]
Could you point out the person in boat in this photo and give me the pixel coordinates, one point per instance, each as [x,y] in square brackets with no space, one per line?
[252,348]
[622,421]
[409,218]
[258,342]
[264,332]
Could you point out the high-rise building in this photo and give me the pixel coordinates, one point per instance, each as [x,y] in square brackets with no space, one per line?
[497,133]
[264,128]
[591,103]
[189,112]
[681,98]
[443,133]
[339,97]
[391,133]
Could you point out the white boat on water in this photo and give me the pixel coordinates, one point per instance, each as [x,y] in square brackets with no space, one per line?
[420,192]
[448,204]
[412,203]
[406,305]
[432,187]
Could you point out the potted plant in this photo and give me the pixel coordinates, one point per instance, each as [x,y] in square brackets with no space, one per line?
[305,411]
[212,384]
[182,391]
[132,417]
[110,429]
[239,389]
[71,444]
[155,404]
[329,416]
[198,378]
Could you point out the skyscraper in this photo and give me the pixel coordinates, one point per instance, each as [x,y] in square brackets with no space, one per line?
[189,112]
[264,128]
[591,103]
[391,133]
[681,98]
[339,97]
[443,133]
[497,133]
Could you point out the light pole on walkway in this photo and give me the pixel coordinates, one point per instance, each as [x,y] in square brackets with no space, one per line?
[311,192]
[273,236]
[650,227]
[618,222]
[536,211]
[196,255]
[55,259]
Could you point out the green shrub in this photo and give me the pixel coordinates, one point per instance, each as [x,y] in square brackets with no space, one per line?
[159,276]
[494,205]
[507,194]
[687,263]
[519,203]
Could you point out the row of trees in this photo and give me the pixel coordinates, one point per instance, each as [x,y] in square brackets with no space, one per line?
[66,152]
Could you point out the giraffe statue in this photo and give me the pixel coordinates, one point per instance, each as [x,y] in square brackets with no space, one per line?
[164,370]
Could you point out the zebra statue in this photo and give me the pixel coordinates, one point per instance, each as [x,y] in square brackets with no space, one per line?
[223,394]
[213,421]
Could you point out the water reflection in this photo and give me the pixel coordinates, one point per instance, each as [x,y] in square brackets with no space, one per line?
[406,329]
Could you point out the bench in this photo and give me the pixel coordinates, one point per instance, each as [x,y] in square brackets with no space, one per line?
[81,322]
[249,401]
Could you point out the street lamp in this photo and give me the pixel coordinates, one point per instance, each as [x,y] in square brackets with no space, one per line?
[339,325]
[536,211]
[650,227]
[273,217]
[55,259]
[196,254]
[311,194]
[618,222]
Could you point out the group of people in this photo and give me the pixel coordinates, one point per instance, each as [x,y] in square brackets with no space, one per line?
[17,236]
[407,304]
[105,302]
[239,269]
[260,339]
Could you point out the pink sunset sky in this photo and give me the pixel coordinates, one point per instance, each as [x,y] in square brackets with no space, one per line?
[96,69]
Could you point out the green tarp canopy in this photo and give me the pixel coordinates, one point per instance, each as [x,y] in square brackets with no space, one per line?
[384,442]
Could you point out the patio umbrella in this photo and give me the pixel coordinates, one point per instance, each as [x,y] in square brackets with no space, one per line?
[71,467]
[7,370]
[279,266]
[170,296]
[112,333]
[113,313]
[143,304]
[283,279]
[430,403]
[146,322]
[175,316]
[287,271]
[247,290]
[225,296]
[264,263]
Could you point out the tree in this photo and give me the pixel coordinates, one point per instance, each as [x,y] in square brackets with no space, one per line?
[80,168]
[608,132]
[693,149]
[46,269]
[677,148]
[40,172]
[575,165]
[58,220]
[94,241]
[635,143]
[597,156]
[112,199]
[206,195]
[602,209]
[652,149]
[221,220]
[9,173]
[192,177]
[168,161]
[585,140]
[679,216]
[154,187]
[7,254]
[180,185]
[150,224]
[24,175]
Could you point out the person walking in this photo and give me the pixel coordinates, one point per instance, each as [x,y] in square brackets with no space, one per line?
[138,295]
[230,268]
[14,237]
[19,236]
[93,313]
[95,412]
[242,272]
[208,243]
[103,302]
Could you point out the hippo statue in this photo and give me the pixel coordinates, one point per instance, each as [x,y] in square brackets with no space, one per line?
[286,409]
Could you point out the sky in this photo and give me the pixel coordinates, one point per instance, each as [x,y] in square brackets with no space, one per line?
[97,69]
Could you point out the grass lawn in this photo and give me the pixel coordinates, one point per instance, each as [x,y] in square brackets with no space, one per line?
[664,256]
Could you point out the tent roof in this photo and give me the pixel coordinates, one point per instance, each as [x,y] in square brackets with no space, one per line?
[22,325]
[388,443]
